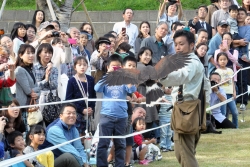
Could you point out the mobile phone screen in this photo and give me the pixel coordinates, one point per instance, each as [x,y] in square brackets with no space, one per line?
[116,68]
[124,30]
[72,41]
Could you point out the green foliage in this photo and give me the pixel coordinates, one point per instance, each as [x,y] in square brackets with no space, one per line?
[99,5]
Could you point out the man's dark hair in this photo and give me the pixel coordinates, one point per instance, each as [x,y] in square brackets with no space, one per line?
[184,33]
[114,57]
[203,6]
[201,30]
[109,35]
[67,105]
[124,46]
[242,9]
[12,136]
[178,24]
[214,73]
[233,7]
[110,32]
[129,58]
[124,11]
[173,24]
[214,1]
[31,26]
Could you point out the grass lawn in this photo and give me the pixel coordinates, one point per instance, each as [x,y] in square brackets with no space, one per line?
[229,149]
[100,5]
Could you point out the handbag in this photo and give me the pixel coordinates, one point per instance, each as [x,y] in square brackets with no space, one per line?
[51,112]
[34,114]
[5,95]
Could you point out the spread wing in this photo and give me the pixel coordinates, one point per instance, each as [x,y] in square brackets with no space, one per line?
[122,76]
[153,92]
[169,64]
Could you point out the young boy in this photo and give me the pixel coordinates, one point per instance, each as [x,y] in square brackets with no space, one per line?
[16,141]
[113,116]
[165,118]
[232,21]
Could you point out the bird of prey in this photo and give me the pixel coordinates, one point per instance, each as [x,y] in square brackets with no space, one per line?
[148,74]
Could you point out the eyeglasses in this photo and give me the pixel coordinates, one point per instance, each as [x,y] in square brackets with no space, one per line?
[4,57]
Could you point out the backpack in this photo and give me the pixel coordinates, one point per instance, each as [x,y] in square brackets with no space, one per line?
[51,112]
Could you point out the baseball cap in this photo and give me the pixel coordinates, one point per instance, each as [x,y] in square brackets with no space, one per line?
[45,25]
[222,22]
[88,35]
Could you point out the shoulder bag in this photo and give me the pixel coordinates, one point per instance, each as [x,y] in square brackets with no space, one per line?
[34,114]
[188,116]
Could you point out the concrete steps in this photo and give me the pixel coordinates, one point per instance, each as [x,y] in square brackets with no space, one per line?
[102,20]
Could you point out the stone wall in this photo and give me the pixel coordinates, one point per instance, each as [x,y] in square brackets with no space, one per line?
[102,20]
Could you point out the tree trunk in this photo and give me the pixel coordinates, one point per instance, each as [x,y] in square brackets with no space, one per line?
[62,13]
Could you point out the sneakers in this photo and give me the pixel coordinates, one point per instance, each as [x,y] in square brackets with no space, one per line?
[242,107]
[144,162]
[164,149]
[159,157]
[129,165]
[111,163]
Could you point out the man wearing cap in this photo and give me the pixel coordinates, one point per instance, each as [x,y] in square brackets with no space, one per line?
[127,27]
[156,43]
[59,56]
[215,43]
[199,22]
[221,14]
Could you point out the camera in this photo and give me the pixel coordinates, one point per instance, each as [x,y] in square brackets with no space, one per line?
[55,34]
[214,83]
[6,119]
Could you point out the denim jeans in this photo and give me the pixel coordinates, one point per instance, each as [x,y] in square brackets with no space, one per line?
[223,110]
[232,106]
[166,132]
[109,126]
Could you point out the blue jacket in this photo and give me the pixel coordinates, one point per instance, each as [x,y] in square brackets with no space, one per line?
[213,46]
[116,109]
[58,132]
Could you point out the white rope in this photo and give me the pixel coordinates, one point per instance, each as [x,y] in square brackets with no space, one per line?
[62,102]
[231,76]
[18,159]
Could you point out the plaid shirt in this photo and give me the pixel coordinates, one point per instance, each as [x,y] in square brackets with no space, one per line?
[40,77]
[70,66]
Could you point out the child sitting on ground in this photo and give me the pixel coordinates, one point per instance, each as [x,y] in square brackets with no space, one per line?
[16,142]
[35,138]
[143,147]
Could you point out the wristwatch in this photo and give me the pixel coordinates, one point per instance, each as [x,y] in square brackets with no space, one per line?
[217,92]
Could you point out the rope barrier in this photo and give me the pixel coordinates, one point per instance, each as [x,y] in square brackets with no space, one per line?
[18,159]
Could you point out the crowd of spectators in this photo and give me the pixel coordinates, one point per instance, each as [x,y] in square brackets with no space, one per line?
[38,59]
